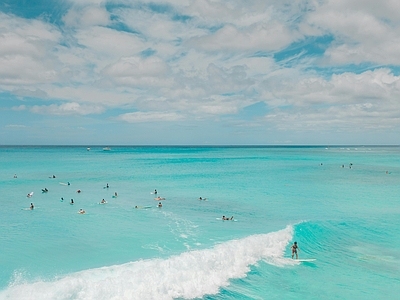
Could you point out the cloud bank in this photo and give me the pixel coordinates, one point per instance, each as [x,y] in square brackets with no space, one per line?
[328,67]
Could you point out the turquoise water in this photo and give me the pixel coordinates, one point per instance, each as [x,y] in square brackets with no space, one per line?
[341,204]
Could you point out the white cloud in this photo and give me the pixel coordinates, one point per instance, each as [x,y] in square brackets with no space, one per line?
[347,101]
[37,93]
[138,72]
[66,109]
[259,37]
[19,108]
[139,117]
[27,51]
[365,31]
[87,16]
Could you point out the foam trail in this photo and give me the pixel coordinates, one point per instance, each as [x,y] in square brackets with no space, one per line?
[188,275]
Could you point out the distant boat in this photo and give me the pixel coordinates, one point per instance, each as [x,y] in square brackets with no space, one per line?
[106,149]
[88,149]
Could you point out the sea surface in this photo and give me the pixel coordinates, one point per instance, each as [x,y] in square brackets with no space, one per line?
[341,205]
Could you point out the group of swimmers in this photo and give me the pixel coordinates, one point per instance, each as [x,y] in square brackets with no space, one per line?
[103,201]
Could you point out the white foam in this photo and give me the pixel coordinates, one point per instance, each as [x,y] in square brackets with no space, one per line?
[188,275]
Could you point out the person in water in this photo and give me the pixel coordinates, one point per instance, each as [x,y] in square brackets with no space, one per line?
[103,201]
[32,206]
[155,192]
[295,248]
[72,201]
[81,211]
[159,204]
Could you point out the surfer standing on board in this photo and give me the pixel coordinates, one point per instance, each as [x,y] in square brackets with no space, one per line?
[294,250]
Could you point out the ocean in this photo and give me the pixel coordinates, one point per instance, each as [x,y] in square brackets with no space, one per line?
[341,204]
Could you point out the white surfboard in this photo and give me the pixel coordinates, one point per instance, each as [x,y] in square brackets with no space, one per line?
[306,259]
[30,194]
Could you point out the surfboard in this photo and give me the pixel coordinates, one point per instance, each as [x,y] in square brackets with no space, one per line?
[30,194]
[63,183]
[306,259]
[234,220]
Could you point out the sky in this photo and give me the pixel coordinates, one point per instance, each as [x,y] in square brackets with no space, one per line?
[199,72]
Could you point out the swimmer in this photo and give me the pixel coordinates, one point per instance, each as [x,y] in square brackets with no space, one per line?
[107,186]
[72,201]
[69,183]
[200,198]
[32,206]
[15,175]
[81,211]
[159,204]
[115,194]
[78,191]
[62,199]
[155,192]
[103,201]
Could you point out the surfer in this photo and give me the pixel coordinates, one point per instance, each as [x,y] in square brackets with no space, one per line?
[115,194]
[155,192]
[81,211]
[295,248]
[107,186]
[62,199]
[226,218]
[103,201]
[32,206]
[72,201]
[159,204]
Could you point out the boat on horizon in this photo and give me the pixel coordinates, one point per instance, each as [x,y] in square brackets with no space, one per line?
[106,149]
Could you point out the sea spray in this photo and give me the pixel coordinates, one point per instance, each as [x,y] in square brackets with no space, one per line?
[189,275]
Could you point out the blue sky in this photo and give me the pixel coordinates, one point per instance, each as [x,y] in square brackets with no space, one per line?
[207,72]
